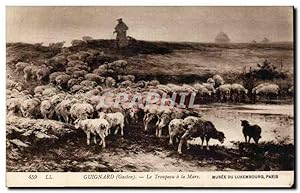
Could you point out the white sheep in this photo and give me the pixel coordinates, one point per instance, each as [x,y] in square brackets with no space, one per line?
[218,80]
[83,55]
[70,70]
[164,88]
[56,46]
[13,105]
[20,66]
[125,84]
[176,129]
[74,63]
[110,82]
[43,72]
[47,107]
[119,64]
[10,84]
[266,90]
[94,77]
[62,80]
[53,76]
[88,83]
[62,109]
[210,87]
[95,127]
[81,111]
[224,92]
[202,91]
[30,107]
[115,120]
[211,81]
[238,92]
[74,81]
[30,72]
[126,77]
[153,83]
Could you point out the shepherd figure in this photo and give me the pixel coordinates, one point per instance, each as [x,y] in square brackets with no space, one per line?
[121,38]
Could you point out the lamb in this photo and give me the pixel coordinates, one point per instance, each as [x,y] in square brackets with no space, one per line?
[253,131]
[95,127]
[115,120]
[218,80]
[224,92]
[266,90]
[94,77]
[110,82]
[20,66]
[30,107]
[203,129]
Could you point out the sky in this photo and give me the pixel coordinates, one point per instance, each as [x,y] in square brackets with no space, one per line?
[193,24]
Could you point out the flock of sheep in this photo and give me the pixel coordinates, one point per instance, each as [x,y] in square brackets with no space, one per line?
[71,91]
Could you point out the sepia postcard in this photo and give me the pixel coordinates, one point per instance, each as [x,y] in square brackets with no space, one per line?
[124,96]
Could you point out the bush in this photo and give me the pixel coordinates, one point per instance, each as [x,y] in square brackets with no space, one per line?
[267,71]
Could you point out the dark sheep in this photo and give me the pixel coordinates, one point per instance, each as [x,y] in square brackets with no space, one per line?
[253,131]
[203,129]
